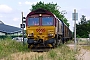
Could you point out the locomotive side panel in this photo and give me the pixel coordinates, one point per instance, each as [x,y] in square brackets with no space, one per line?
[58,27]
[66,32]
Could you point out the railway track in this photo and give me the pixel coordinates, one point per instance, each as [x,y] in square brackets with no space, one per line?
[41,49]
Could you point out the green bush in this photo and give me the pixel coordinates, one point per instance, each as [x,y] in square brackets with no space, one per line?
[11,36]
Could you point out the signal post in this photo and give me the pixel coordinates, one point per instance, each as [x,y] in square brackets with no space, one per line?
[75,17]
[23,26]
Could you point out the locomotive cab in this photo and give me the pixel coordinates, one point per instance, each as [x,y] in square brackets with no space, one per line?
[40,28]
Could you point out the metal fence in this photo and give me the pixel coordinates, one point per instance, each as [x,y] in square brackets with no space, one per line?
[83,41]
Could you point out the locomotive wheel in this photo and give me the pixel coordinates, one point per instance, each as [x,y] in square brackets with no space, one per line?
[59,41]
[54,44]
[63,41]
[28,45]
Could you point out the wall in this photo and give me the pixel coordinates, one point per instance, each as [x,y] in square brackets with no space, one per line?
[1,33]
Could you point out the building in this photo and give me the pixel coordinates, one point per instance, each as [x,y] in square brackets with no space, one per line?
[9,30]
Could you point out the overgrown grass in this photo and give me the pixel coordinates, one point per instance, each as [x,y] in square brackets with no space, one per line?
[8,47]
[86,47]
[39,58]
[84,44]
[62,53]
[52,54]
[70,42]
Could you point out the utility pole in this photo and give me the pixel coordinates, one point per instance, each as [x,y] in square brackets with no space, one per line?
[75,17]
[22,29]
[75,30]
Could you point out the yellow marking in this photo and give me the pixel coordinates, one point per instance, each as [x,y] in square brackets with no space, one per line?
[50,45]
[44,35]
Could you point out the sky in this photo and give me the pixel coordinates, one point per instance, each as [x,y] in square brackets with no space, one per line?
[10,10]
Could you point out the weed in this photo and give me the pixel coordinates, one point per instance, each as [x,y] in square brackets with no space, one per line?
[52,54]
[39,57]
[86,47]
[8,46]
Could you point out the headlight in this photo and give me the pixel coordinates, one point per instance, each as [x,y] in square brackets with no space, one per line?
[50,34]
[30,34]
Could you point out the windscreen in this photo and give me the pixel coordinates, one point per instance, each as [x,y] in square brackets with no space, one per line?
[47,21]
[33,21]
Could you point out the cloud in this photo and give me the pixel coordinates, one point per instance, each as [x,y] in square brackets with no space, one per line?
[16,19]
[20,3]
[29,3]
[26,3]
[88,17]
[1,16]
[5,9]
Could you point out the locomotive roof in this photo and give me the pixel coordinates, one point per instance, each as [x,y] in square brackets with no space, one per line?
[40,11]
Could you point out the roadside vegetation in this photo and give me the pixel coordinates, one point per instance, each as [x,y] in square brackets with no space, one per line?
[12,50]
[86,47]
[7,47]
[83,27]
[85,44]
[62,53]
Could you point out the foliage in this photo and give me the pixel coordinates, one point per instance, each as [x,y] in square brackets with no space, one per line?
[52,54]
[62,53]
[77,36]
[83,20]
[54,8]
[10,37]
[87,47]
[39,58]
[83,28]
[8,46]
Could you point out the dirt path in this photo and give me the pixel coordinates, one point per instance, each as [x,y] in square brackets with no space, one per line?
[83,54]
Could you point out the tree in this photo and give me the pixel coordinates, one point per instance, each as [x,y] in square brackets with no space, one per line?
[83,19]
[54,8]
[88,26]
[83,28]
